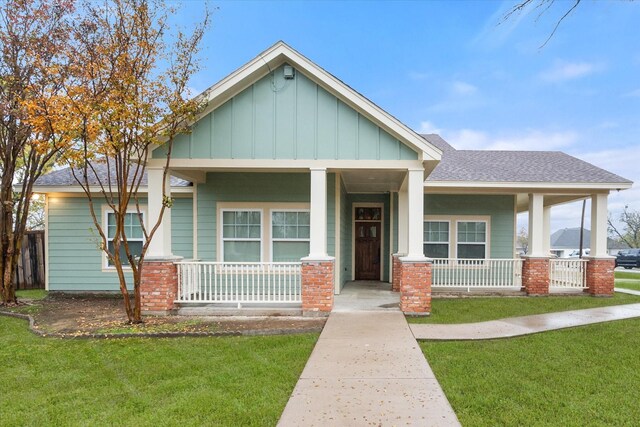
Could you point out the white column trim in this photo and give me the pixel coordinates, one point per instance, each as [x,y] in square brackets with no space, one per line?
[160,245]
[599,215]
[546,230]
[415,220]
[318,216]
[536,226]
[403,214]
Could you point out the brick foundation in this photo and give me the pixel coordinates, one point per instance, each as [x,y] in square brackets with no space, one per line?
[158,286]
[317,287]
[415,287]
[396,269]
[600,276]
[535,276]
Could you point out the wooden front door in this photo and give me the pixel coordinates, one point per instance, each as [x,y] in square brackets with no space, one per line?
[367,250]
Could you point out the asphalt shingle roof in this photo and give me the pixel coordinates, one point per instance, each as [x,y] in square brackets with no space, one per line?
[515,166]
[569,238]
[64,177]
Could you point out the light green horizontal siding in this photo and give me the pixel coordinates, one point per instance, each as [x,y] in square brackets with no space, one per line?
[287,119]
[182,227]
[254,188]
[75,262]
[499,208]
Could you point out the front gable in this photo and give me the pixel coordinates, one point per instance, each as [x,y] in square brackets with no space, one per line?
[279,118]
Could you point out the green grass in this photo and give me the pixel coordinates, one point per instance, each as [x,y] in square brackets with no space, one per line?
[146,382]
[35,294]
[627,275]
[575,377]
[628,284]
[480,309]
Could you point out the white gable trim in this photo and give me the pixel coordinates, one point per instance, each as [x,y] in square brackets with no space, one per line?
[280,53]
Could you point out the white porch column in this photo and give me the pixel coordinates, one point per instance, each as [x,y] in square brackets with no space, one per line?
[599,215]
[403,215]
[318,215]
[415,220]
[546,232]
[536,226]
[160,246]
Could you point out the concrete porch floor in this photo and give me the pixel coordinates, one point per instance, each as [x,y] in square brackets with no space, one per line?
[366,295]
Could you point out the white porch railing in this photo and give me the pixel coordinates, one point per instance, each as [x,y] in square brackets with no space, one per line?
[476,273]
[239,283]
[567,273]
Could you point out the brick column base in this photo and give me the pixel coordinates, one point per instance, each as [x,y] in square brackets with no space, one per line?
[396,269]
[600,277]
[415,288]
[317,287]
[158,286]
[535,276]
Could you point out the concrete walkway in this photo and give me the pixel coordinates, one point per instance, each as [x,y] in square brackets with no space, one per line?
[627,291]
[525,325]
[367,370]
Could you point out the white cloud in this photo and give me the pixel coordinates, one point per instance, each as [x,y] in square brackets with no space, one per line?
[417,75]
[528,140]
[428,127]
[563,71]
[463,88]
[632,94]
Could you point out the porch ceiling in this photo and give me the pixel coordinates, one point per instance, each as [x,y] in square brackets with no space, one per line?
[372,181]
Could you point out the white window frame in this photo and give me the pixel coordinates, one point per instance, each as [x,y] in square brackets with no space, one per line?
[223,239]
[273,239]
[486,237]
[453,230]
[448,242]
[106,210]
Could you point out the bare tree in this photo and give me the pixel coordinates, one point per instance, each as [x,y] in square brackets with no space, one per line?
[629,233]
[33,35]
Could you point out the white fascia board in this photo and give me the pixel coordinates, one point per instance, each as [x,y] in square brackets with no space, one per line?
[48,189]
[582,186]
[280,53]
[284,165]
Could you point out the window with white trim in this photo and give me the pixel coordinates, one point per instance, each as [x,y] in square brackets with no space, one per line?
[133,232]
[472,239]
[242,235]
[289,235]
[436,239]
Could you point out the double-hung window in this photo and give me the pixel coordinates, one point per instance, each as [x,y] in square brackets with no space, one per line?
[436,239]
[290,235]
[242,235]
[133,232]
[472,239]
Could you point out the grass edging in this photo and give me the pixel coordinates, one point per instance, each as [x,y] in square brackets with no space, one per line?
[169,334]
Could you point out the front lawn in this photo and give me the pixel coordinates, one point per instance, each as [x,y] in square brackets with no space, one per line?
[628,284]
[627,275]
[574,377]
[479,309]
[141,381]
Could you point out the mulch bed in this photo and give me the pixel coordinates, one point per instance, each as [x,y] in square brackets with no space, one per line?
[103,316]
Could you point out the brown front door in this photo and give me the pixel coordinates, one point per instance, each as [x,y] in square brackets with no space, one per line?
[367,254]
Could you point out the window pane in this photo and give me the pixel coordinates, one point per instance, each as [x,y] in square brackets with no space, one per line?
[303,218]
[303,232]
[290,251]
[278,232]
[436,231]
[242,251]
[291,232]
[254,231]
[277,218]
[254,218]
[471,251]
[228,218]
[229,231]
[134,247]
[436,250]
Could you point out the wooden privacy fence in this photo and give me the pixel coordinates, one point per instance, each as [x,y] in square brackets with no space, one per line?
[30,270]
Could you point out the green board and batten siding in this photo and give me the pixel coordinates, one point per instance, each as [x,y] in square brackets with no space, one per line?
[276,118]
[76,263]
[500,208]
[254,188]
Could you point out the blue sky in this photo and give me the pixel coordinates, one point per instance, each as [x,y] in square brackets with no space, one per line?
[448,67]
